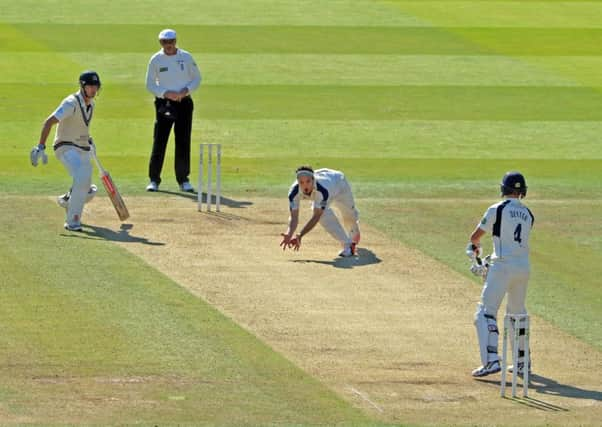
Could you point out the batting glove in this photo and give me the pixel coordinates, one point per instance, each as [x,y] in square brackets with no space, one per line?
[478,270]
[480,266]
[37,152]
[473,251]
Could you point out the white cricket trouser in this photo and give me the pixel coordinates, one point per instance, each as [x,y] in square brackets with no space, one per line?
[77,163]
[345,204]
[503,278]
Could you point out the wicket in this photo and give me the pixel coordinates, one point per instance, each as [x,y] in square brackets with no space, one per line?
[515,321]
[218,176]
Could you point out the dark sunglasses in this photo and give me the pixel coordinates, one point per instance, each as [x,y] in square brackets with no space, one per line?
[168,41]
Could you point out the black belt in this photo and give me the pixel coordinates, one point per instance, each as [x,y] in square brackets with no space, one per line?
[69,144]
[165,99]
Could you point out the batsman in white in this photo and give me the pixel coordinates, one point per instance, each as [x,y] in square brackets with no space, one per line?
[509,223]
[72,145]
[326,188]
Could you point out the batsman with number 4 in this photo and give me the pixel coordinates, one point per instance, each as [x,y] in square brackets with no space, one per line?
[507,272]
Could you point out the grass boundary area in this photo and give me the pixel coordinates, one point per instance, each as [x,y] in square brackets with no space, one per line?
[94,334]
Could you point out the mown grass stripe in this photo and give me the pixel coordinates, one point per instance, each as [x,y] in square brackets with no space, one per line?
[391,177]
[251,102]
[241,39]
[310,69]
[520,13]
[315,39]
[211,12]
[369,138]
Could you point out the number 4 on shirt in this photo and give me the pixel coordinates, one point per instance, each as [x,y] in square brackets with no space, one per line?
[517,231]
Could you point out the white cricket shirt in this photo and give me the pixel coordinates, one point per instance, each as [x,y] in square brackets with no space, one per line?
[74,118]
[327,186]
[509,223]
[172,73]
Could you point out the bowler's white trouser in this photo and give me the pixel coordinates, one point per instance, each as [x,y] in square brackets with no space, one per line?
[504,277]
[345,204]
[77,163]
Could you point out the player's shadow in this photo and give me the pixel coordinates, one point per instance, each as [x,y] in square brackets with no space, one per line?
[552,387]
[123,235]
[231,203]
[548,386]
[364,257]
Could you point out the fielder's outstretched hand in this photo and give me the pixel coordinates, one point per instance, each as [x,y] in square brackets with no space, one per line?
[37,152]
[295,243]
[286,241]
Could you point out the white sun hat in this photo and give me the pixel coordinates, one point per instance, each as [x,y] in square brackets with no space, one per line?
[167,34]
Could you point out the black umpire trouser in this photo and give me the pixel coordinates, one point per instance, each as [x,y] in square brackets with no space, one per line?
[182,123]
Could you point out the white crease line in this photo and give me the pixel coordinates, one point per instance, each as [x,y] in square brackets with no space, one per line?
[367,399]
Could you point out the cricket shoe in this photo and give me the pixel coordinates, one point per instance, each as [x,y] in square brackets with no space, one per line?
[186,187]
[347,252]
[521,369]
[488,369]
[152,186]
[63,201]
[73,227]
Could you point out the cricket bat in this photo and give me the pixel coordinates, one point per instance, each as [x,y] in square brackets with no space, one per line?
[112,191]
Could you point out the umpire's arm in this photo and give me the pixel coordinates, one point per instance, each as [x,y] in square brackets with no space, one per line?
[153,85]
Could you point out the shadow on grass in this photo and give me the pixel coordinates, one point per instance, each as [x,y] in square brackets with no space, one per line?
[231,203]
[223,215]
[552,387]
[544,385]
[123,235]
[364,257]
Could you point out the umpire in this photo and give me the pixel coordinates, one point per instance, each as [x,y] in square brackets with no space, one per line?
[171,76]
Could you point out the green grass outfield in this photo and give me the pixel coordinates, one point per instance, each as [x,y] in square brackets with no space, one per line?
[82,316]
[424,105]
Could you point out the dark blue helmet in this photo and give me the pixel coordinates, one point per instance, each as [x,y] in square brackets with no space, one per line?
[89,78]
[513,182]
